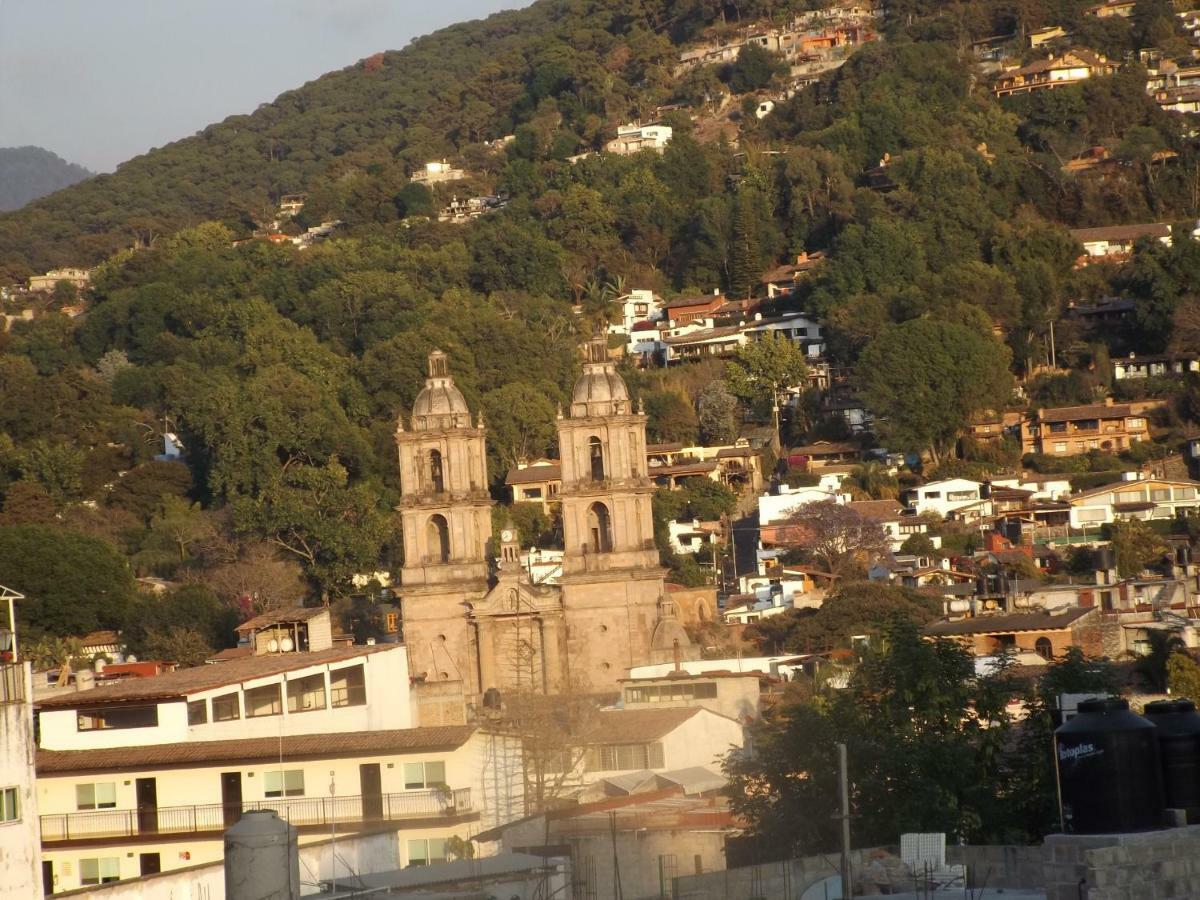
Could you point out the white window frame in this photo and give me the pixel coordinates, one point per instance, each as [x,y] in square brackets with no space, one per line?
[10,804]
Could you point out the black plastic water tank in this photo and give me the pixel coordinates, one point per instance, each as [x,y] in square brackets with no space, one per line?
[1109,776]
[1178,726]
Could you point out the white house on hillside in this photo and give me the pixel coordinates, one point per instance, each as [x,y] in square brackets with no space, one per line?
[943,497]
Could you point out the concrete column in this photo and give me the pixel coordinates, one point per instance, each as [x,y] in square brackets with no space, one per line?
[487,654]
[551,664]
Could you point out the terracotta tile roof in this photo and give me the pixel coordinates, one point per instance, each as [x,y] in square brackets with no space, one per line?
[823,448]
[669,447]
[100,639]
[1121,232]
[305,746]
[283,617]
[1094,411]
[183,682]
[735,453]
[702,300]
[637,726]
[1039,621]
[687,468]
[231,653]
[533,474]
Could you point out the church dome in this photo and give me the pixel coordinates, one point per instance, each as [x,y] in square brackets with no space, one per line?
[600,391]
[440,404]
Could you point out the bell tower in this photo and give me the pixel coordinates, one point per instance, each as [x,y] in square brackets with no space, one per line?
[612,582]
[445,512]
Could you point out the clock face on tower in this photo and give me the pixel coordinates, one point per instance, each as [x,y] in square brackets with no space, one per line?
[506,535]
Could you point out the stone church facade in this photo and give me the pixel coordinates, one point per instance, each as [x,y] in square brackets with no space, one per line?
[472,619]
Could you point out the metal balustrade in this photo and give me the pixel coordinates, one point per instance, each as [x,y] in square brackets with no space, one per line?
[353,810]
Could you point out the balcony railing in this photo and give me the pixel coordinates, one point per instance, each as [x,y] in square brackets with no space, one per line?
[353,811]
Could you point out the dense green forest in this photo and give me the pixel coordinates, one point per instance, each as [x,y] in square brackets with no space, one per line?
[27,173]
[283,370]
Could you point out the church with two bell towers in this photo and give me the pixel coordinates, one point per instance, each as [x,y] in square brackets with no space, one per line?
[472,619]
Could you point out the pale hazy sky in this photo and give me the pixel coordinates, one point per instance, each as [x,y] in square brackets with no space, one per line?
[100,81]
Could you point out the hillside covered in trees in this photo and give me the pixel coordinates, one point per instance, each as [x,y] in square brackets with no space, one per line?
[27,173]
[283,369]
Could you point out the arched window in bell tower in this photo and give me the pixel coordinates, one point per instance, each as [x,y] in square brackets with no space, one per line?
[436,479]
[599,529]
[437,539]
[596,458]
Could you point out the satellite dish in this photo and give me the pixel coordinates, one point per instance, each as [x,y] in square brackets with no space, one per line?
[286,645]
[272,646]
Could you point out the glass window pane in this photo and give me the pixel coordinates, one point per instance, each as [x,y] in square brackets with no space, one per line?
[437,849]
[225,708]
[347,687]
[435,773]
[414,775]
[306,694]
[263,701]
[197,712]
[418,853]
[293,783]
[106,795]
[10,805]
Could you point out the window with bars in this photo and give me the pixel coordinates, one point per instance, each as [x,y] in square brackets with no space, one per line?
[624,757]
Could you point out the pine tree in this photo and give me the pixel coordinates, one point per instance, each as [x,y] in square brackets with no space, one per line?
[743,251]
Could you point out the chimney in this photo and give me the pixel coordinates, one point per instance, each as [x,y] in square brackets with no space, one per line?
[1108,400]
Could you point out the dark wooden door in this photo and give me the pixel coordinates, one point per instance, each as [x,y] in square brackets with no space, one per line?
[150,863]
[231,797]
[47,876]
[147,805]
[372,792]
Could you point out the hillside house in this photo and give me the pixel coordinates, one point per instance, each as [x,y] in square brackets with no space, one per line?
[1046,634]
[635,137]
[1179,99]
[944,497]
[437,173]
[1072,67]
[1134,366]
[1114,243]
[1113,8]
[1139,498]
[536,482]
[1041,36]
[782,280]
[635,307]
[78,278]
[683,310]
[1072,430]
[896,520]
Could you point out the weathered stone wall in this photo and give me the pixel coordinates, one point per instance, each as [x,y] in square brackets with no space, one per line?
[1156,865]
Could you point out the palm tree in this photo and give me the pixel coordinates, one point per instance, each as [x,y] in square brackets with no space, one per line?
[873,479]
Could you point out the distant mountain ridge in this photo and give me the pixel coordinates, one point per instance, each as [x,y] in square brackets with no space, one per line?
[27,173]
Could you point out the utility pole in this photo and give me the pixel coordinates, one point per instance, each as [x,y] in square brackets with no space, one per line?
[844,783]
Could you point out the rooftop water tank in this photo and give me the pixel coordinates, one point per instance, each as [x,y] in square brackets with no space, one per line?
[261,858]
[1109,776]
[1178,726]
